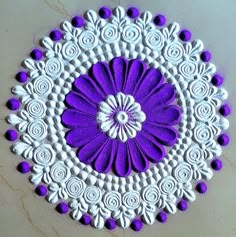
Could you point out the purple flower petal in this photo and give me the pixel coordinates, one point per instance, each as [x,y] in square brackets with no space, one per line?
[150,82]
[164,95]
[135,72]
[80,136]
[73,118]
[106,157]
[122,162]
[151,148]
[163,134]
[169,115]
[139,162]
[119,70]
[91,150]
[85,85]
[81,103]
[102,75]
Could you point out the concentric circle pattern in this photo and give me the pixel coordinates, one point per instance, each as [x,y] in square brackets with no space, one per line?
[159,186]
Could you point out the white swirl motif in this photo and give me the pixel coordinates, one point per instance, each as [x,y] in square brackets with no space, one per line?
[54,67]
[174,52]
[75,187]
[151,194]
[112,200]
[168,185]
[44,155]
[131,199]
[59,172]
[194,154]
[70,50]
[202,133]
[154,39]
[43,85]
[183,172]
[204,111]
[36,108]
[88,40]
[188,69]
[92,195]
[131,33]
[110,33]
[37,129]
[199,89]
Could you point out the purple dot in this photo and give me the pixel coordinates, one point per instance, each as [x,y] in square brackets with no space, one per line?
[13,104]
[21,76]
[205,56]
[216,164]
[105,12]
[77,21]
[137,225]
[110,224]
[36,54]
[162,217]
[223,139]
[225,110]
[159,20]
[11,135]
[217,80]
[23,167]
[133,12]
[182,205]
[41,190]
[62,208]
[85,220]
[55,35]
[185,35]
[201,187]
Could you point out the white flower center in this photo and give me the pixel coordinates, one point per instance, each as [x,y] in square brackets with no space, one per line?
[120,116]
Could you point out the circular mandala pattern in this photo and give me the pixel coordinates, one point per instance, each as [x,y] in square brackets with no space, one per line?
[119,118]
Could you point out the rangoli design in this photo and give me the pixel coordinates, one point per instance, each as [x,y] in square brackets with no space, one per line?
[119,117]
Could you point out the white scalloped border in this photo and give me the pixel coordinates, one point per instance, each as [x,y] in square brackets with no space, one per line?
[56,164]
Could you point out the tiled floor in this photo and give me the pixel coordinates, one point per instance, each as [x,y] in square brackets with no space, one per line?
[22,23]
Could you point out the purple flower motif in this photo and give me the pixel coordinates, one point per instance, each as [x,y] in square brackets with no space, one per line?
[120,116]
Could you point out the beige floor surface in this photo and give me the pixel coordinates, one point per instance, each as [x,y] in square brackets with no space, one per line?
[22,23]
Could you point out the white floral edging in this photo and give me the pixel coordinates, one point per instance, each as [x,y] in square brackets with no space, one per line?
[56,164]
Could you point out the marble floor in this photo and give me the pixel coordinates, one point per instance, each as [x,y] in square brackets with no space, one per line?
[22,212]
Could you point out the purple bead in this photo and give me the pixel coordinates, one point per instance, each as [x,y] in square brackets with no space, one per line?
[216,164]
[133,12]
[159,20]
[217,80]
[110,224]
[185,35]
[225,110]
[182,205]
[36,54]
[205,56]
[136,225]
[201,187]
[77,21]
[41,190]
[11,135]
[105,12]
[13,104]
[62,208]
[23,167]
[21,76]
[85,220]
[162,217]
[55,35]
[223,139]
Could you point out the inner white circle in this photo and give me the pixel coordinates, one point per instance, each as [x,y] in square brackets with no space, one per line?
[120,116]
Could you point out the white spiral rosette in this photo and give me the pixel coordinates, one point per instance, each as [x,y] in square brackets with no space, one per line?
[57,165]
